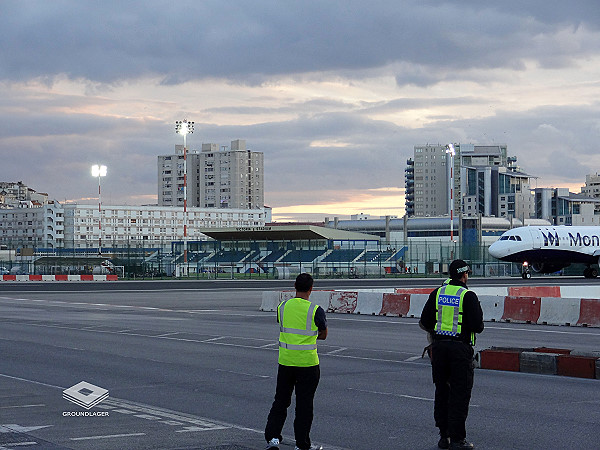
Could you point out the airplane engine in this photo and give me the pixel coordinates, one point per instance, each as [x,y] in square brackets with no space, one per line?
[547,267]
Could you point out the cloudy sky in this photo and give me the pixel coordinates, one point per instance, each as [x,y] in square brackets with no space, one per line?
[335,93]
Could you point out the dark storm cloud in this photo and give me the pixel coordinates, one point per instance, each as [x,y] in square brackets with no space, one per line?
[109,41]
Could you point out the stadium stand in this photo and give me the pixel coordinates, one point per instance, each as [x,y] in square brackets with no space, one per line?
[304,256]
[341,256]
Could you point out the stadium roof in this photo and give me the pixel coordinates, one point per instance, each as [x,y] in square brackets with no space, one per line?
[273,232]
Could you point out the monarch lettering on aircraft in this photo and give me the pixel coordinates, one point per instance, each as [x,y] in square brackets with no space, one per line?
[584,241]
[550,249]
[551,239]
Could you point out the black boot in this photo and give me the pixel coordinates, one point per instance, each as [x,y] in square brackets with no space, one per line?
[444,442]
[461,445]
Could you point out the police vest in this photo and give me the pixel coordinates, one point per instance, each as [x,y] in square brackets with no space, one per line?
[449,311]
[297,333]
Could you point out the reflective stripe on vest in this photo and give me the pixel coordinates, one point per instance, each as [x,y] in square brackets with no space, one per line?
[297,333]
[449,311]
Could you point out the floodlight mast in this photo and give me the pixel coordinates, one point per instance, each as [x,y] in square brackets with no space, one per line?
[183,127]
[451,152]
[99,171]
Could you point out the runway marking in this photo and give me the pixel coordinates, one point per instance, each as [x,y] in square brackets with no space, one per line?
[243,373]
[173,416]
[272,344]
[332,352]
[20,444]
[22,406]
[412,358]
[107,436]
[392,394]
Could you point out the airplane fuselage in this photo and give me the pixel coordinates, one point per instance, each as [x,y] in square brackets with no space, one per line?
[549,248]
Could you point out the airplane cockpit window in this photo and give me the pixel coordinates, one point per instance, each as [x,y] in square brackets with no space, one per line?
[518,238]
[512,238]
[504,238]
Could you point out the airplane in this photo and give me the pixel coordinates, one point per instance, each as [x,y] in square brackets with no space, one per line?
[549,249]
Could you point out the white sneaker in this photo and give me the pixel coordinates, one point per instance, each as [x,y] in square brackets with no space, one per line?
[273,444]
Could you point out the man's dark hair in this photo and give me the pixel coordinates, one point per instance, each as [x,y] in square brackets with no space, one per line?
[304,282]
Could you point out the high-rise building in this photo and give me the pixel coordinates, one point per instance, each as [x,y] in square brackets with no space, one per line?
[430,183]
[486,182]
[561,207]
[216,178]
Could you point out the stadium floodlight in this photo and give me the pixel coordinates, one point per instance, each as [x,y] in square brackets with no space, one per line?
[184,127]
[99,171]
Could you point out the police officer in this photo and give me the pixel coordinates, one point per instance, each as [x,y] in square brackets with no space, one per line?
[452,314]
[301,323]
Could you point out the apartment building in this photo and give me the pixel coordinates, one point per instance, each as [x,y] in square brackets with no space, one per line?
[228,178]
[13,194]
[485,181]
[39,226]
[78,226]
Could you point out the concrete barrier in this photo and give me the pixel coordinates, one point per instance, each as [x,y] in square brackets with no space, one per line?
[576,366]
[369,303]
[534,291]
[534,362]
[549,361]
[395,305]
[343,302]
[579,292]
[492,307]
[559,311]
[409,302]
[321,298]
[24,278]
[499,359]
[417,302]
[589,314]
[522,309]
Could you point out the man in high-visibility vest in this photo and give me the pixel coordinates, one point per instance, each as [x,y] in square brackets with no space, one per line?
[301,323]
[452,315]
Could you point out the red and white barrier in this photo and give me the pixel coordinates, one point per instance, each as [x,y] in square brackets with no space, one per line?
[58,278]
[527,304]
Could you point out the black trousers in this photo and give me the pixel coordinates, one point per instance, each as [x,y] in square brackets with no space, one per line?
[305,380]
[452,370]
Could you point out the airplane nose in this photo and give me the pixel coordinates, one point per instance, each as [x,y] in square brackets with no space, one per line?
[495,250]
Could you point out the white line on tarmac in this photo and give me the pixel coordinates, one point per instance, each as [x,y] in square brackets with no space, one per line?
[243,373]
[412,358]
[22,406]
[393,394]
[108,436]
[333,352]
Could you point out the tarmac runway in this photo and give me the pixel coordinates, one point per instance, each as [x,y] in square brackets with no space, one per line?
[194,368]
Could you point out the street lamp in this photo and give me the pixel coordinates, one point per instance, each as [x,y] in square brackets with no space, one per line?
[183,127]
[451,152]
[99,171]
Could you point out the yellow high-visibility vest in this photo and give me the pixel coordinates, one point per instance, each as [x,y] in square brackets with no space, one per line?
[449,311]
[297,333]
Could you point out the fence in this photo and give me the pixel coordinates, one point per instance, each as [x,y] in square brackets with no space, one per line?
[260,259]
